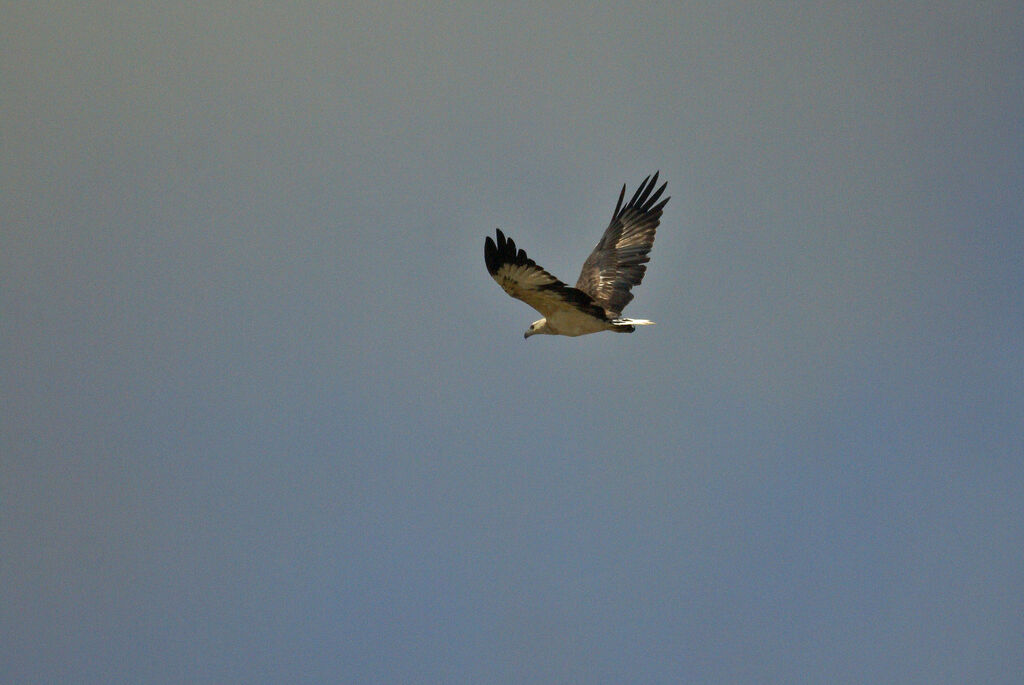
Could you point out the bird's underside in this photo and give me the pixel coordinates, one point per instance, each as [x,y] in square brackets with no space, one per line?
[603,289]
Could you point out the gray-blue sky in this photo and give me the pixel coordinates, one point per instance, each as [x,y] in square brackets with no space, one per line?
[266,418]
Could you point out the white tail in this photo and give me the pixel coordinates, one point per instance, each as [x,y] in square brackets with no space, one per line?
[632,322]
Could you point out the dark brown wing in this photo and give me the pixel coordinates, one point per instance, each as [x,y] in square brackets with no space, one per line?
[520,277]
[617,263]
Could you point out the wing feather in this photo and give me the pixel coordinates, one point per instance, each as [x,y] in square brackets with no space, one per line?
[520,277]
[618,262]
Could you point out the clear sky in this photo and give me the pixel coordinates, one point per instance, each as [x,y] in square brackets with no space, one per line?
[266,418]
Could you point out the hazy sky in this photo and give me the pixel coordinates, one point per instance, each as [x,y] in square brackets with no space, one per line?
[266,418]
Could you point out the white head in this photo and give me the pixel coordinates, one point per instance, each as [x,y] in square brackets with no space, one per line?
[538,326]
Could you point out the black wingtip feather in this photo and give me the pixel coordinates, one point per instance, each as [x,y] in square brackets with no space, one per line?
[639,191]
[653,198]
[490,255]
[642,199]
[503,251]
[618,205]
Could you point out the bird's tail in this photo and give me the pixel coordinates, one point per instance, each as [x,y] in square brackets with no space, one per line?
[629,325]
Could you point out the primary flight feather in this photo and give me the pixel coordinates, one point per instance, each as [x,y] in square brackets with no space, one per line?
[603,289]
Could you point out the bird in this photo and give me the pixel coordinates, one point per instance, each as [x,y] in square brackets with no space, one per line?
[603,289]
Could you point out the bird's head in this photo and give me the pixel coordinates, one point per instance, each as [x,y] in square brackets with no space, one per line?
[538,326]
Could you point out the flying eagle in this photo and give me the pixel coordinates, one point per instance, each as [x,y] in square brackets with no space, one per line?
[611,270]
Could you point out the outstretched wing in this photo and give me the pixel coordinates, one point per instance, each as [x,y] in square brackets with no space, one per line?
[520,277]
[617,263]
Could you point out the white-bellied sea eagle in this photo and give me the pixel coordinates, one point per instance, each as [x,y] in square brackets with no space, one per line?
[611,270]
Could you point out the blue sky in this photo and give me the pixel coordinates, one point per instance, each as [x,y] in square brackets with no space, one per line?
[266,418]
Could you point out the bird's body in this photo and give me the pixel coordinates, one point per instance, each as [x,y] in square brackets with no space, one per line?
[573,322]
[603,289]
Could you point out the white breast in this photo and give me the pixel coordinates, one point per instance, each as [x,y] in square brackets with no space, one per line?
[574,322]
